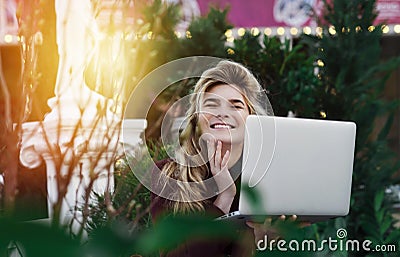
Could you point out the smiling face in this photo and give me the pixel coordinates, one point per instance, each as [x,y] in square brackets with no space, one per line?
[223,113]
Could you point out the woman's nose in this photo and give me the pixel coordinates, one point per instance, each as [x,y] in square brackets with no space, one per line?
[222,114]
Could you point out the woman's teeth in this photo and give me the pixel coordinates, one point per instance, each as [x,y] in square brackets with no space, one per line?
[221,126]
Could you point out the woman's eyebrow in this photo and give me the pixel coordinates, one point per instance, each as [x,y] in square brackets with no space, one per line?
[236,101]
[217,101]
[213,100]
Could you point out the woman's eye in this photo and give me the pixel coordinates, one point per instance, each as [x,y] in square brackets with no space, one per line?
[238,107]
[210,105]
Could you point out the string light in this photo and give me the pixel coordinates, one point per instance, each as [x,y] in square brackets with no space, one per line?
[307,30]
[345,30]
[323,114]
[320,63]
[241,32]
[230,51]
[150,34]
[385,29]
[178,34]
[280,31]
[396,28]
[318,31]
[229,33]
[255,31]
[268,31]
[119,163]
[332,30]
[8,38]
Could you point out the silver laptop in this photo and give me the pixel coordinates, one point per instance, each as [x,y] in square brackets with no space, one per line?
[295,166]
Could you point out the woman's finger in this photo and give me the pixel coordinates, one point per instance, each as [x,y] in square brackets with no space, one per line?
[268,222]
[211,151]
[225,160]
[250,224]
[293,218]
[255,225]
[218,155]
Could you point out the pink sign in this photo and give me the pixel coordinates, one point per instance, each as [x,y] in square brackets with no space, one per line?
[287,13]
[389,11]
[261,13]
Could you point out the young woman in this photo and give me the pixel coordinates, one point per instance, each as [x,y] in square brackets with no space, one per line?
[209,161]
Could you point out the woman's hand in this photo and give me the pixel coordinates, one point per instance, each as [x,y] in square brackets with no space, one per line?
[267,228]
[223,179]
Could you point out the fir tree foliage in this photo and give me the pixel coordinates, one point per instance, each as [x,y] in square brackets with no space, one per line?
[285,71]
[353,77]
[206,35]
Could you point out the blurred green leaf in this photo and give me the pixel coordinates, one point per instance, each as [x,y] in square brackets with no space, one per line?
[378,200]
[37,240]
[172,231]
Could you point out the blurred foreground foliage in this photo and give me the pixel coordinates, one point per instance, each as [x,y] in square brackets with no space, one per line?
[40,240]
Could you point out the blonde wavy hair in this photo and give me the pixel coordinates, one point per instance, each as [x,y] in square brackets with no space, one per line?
[193,169]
